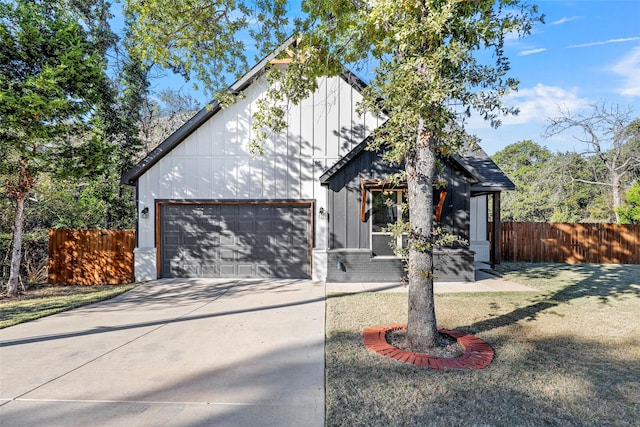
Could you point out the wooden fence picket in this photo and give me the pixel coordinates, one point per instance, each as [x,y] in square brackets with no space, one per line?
[570,242]
[91,257]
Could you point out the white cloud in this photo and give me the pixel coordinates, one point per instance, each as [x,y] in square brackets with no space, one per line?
[531,51]
[566,19]
[542,101]
[629,69]
[622,40]
[536,104]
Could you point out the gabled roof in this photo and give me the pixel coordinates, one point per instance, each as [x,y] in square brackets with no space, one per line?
[476,163]
[131,176]
[490,177]
[343,161]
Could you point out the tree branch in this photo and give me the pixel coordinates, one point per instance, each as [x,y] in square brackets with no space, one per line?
[608,184]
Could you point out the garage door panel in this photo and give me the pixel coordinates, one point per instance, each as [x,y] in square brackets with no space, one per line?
[184,269]
[193,240]
[246,270]
[227,240]
[210,270]
[209,223]
[210,239]
[235,240]
[228,270]
[203,254]
[172,238]
[245,226]
[227,254]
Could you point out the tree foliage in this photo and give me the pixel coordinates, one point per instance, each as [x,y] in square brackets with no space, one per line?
[555,187]
[524,162]
[612,136]
[50,76]
[206,38]
[629,212]
[427,81]
[70,101]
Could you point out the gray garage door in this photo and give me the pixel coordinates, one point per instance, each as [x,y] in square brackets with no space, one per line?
[235,240]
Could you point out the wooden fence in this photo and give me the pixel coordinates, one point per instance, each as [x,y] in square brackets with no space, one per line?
[570,242]
[91,257]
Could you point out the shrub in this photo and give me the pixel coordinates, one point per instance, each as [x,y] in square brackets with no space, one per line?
[35,257]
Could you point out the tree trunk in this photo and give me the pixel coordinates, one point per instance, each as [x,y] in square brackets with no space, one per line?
[16,254]
[617,192]
[422,332]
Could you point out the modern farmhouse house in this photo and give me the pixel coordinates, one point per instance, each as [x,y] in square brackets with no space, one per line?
[315,205]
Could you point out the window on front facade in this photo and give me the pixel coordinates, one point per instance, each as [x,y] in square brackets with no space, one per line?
[386,208]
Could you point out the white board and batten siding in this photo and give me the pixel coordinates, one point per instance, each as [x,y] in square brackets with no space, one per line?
[213,163]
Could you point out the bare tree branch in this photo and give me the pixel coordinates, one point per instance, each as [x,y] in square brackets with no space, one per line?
[607,131]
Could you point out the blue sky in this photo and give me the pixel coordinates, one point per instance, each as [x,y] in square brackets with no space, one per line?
[587,52]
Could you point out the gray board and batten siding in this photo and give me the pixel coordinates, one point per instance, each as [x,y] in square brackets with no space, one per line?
[350,255]
[236,240]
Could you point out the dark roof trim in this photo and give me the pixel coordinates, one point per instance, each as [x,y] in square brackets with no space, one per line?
[356,82]
[467,167]
[199,119]
[169,144]
[492,178]
[131,176]
[343,161]
[325,178]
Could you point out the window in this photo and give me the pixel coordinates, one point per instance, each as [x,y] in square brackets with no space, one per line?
[386,208]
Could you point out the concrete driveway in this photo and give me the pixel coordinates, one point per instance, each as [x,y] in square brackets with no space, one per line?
[197,352]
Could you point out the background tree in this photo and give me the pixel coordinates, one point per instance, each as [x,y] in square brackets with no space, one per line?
[573,199]
[629,212]
[49,79]
[428,78]
[524,163]
[206,39]
[163,115]
[549,186]
[612,137]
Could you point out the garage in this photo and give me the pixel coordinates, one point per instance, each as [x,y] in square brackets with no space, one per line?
[235,240]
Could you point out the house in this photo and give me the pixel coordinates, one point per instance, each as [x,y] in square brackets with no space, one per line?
[313,206]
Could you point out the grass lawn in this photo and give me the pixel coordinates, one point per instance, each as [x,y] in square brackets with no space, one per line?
[566,355]
[44,300]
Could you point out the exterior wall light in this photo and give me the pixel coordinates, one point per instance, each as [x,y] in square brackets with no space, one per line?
[145,212]
[323,214]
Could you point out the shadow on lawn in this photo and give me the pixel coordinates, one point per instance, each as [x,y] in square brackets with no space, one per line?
[535,385]
[553,380]
[605,282]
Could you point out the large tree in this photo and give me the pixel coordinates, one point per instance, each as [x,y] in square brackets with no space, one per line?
[50,79]
[611,135]
[524,163]
[436,60]
[549,186]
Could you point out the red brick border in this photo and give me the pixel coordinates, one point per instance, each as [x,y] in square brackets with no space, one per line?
[477,353]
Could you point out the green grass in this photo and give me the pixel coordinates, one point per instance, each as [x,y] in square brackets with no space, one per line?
[566,355]
[42,300]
